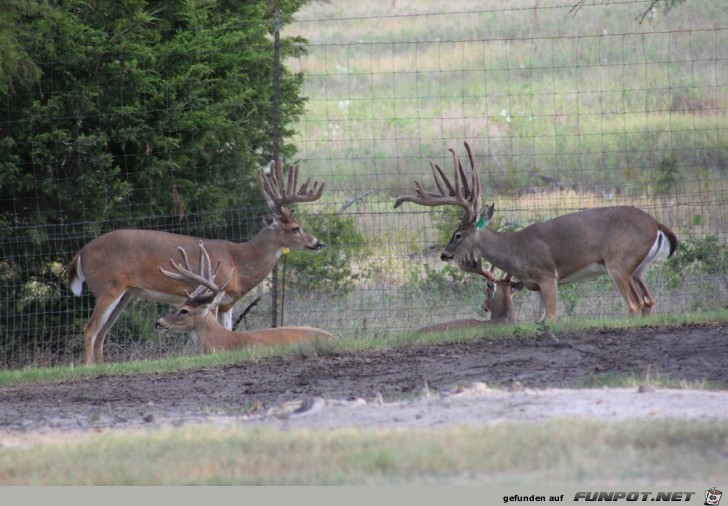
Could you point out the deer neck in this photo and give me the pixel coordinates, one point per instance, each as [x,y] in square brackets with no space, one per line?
[501,309]
[496,247]
[257,257]
[212,336]
[499,312]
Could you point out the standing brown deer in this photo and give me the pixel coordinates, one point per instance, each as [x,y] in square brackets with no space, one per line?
[621,241]
[122,264]
[195,313]
[498,299]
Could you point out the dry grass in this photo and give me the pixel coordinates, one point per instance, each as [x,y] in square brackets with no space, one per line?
[595,101]
[565,452]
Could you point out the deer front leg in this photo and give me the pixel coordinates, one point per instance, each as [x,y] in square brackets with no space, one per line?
[549,298]
[540,312]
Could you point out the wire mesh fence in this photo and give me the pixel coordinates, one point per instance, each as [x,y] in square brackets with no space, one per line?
[564,111]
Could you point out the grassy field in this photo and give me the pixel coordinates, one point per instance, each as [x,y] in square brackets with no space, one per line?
[189,359]
[560,451]
[592,99]
[613,110]
[563,112]
[565,452]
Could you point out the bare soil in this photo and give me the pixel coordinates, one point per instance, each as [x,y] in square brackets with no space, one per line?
[477,382]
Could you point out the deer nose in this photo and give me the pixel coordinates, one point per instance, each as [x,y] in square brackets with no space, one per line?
[445,256]
[158,325]
[318,245]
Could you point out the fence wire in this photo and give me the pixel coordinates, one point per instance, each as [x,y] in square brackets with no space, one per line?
[564,111]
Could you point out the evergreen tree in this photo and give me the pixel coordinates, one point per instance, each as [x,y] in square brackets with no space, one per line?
[131,113]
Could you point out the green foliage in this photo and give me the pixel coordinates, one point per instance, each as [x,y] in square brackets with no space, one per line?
[337,266]
[668,175]
[446,221]
[443,280]
[138,109]
[569,294]
[705,255]
[128,113]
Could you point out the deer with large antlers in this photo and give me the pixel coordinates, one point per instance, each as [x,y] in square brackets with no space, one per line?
[195,314]
[621,241]
[498,299]
[122,264]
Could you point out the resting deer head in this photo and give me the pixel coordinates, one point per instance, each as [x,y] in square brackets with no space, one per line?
[197,304]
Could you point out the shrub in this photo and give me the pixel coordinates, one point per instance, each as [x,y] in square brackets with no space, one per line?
[339,264]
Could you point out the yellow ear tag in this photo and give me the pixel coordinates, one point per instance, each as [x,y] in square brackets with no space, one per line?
[285,251]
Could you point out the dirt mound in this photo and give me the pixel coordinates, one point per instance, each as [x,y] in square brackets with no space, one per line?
[408,383]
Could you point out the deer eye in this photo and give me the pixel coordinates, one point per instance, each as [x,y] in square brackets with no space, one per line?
[458,236]
[296,230]
[184,312]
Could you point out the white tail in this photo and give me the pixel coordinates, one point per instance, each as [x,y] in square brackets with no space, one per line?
[122,264]
[195,313]
[620,241]
[498,299]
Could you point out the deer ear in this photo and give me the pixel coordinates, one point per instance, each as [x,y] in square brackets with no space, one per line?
[271,220]
[484,216]
[218,299]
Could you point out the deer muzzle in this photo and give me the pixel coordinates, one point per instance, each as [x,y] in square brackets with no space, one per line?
[317,246]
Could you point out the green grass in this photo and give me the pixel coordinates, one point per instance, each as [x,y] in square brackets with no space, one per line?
[349,345]
[568,451]
[643,379]
[595,100]
[619,112]
[592,99]
[565,452]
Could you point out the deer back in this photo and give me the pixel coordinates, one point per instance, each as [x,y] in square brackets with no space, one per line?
[575,246]
[127,259]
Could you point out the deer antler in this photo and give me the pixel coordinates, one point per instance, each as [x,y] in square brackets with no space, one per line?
[279,191]
[469,263]
[204,278]
[461,194]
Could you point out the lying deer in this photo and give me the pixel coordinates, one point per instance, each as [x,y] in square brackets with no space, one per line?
[621,241]
[498,299]
[122,264]
[195,313]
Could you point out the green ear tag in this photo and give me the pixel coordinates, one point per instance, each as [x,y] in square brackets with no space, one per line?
[481,223]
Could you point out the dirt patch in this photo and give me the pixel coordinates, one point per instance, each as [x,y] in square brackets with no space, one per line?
[418,385]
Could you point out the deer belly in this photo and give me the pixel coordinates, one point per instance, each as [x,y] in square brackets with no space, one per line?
[590,271]
[154,296]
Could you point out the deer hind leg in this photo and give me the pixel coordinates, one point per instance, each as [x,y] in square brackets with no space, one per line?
[644,294]
[657,248]
[642,290]
[626,284]
[101,337]
[99,324]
